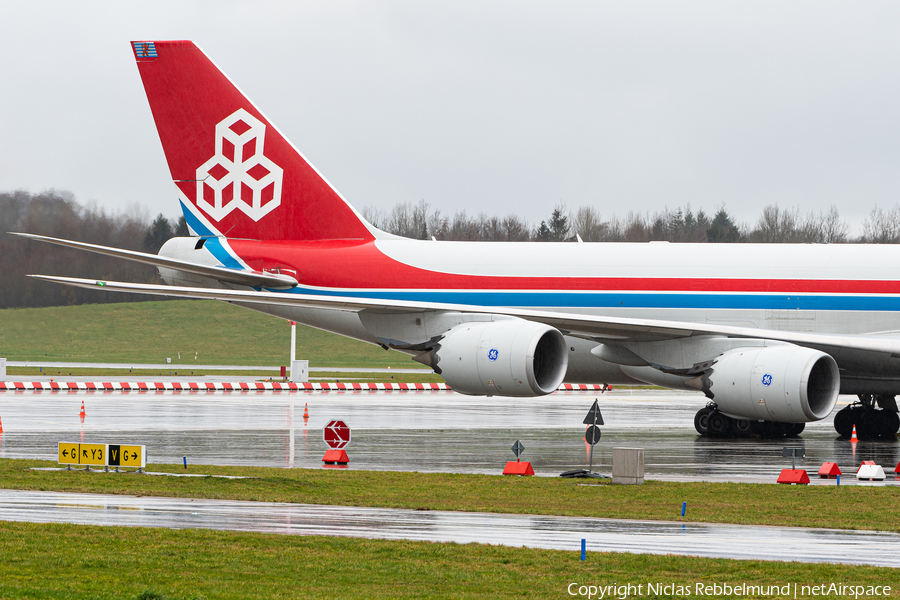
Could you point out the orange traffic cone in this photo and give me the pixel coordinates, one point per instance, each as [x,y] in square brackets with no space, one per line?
[853,438]
[305,411]
[587,445]
[82,413]
[1,425]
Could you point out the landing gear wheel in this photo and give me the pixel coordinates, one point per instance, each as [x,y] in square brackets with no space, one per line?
[701,420]
[794,429]
[742,427]
[888,424]
[866,424]
[771,430]
[719,424]
[843,422]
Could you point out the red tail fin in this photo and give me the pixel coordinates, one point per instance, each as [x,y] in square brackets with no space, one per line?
[236,174]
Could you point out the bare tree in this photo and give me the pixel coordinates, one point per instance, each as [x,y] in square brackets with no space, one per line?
[882,227]
[824,228]
[516,229]
[777,225]
[635,228]
[439,225]
[375,216]
[587,223]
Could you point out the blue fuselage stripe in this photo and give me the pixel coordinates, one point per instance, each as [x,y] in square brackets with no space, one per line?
[213,244]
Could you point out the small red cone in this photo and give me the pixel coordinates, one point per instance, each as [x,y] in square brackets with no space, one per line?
[1,425]
[518,468]
[82,413]
[797,476]
[853,438]
[335,457]
[306,411]
[587,446]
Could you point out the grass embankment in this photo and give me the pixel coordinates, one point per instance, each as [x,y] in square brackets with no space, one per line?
[149,332]
[847,507]
[72,561]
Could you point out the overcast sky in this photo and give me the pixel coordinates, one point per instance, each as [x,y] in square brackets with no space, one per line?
[502,107]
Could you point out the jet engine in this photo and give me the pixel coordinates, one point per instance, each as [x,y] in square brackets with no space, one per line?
[783,383]
[511,357]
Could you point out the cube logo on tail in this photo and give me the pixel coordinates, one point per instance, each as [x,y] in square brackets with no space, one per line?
[235,172]
[239,176]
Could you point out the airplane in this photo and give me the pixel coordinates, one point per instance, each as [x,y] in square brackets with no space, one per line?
[770,334]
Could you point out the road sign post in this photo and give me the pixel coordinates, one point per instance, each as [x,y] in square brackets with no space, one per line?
[793,453]
[337,435]
[517,449]
[793,475]
[518,467]
[592,435]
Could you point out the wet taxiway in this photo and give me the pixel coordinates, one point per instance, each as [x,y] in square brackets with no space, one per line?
[418,431]
[559,533]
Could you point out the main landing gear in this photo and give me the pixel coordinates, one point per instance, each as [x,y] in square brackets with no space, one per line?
[710,422]
[871,423]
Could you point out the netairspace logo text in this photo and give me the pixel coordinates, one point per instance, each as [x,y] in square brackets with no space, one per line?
[624,591]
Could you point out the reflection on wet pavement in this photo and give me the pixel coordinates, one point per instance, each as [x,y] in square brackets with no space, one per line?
[418,431]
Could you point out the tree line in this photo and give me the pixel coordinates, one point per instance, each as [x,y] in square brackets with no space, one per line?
[774,225]
[58,214]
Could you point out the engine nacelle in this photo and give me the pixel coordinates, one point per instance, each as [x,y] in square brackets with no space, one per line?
[512,357]
[785,383]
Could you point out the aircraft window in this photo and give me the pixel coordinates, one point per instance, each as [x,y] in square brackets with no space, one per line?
[200,243]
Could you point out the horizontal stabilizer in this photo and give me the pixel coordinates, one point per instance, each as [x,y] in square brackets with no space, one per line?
[223,274]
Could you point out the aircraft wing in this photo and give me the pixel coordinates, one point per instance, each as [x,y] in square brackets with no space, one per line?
[224,274]
[599,328]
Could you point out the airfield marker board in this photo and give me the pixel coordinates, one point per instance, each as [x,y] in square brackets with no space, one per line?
[67,453]
[127,456]
[101,455]
[92,455]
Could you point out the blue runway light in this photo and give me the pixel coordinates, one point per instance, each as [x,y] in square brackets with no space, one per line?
[583,549]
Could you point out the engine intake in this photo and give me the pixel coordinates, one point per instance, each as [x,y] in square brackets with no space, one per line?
[512,357]
[785,383]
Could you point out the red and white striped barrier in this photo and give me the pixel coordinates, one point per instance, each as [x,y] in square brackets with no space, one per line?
[276,386]
[141,386]
[583,387]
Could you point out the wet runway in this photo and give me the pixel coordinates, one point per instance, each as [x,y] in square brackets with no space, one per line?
[418,431]
[559,533]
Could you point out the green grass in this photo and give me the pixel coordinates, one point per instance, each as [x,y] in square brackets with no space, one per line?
[149,332]
[78,561]
[426,376]
[847,507]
